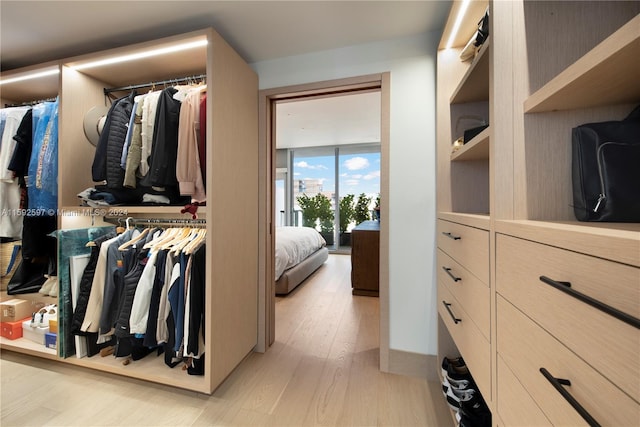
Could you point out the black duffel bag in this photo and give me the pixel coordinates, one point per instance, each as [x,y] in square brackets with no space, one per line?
[606,170]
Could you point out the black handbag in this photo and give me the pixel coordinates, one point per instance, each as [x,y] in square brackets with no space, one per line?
[606,170]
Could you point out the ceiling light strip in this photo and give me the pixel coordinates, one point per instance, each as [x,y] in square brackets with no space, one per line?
[140,55]
[30,76]
[456,26]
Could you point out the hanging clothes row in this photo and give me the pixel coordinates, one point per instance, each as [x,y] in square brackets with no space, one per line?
[152,149]
[143,291]
[29,191]
[28,164]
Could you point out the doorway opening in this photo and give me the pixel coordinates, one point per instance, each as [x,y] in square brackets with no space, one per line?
[268,199]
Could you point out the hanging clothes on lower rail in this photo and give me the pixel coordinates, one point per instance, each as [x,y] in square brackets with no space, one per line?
[147,294]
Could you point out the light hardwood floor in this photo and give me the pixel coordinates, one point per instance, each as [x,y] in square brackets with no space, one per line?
[321,371]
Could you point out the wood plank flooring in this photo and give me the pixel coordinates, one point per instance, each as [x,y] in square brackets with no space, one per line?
[321,371]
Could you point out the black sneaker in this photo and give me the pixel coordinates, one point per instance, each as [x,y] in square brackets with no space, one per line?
[474,412]
[455,361]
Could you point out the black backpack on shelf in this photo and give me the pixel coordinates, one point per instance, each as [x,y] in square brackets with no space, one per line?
[606,170]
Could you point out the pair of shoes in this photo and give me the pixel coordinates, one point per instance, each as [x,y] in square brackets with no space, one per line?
[474,412]
[457,373]
[451,361]
[40,318]
[50,286]
[455,397]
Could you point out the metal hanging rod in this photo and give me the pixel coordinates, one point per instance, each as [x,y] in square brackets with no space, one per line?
[30,103]
[154,221]
[158,83]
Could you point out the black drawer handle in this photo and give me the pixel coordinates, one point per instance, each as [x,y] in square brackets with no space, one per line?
[448,307]
[567,289]
[451,236]
[448,270]
[558,384]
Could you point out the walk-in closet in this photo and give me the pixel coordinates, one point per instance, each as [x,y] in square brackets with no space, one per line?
[225,220]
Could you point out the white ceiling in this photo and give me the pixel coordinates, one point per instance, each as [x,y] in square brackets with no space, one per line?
[338,120]
[34,32]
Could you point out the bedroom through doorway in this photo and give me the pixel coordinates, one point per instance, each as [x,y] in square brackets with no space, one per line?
[327,144]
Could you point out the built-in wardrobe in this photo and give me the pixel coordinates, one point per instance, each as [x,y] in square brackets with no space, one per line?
[543,308]
[231,210]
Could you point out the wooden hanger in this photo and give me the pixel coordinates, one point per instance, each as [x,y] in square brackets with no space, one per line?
[135,240]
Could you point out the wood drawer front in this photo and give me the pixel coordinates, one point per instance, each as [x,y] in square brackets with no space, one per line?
[516,407]
[472,345]
[470,248]
[612,283]
[469,291]
[600,339]
[525,348]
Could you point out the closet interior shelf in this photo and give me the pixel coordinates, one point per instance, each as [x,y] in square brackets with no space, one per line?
[157,83]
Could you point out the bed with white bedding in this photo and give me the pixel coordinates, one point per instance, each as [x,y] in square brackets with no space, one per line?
[299,252]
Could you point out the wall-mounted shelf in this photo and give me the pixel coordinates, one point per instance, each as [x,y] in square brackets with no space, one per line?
[474,86]
[476,149]
[606,75]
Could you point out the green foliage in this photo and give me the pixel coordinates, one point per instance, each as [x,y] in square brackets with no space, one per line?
[361,211]
[346,212]
[325,214]
[309,210]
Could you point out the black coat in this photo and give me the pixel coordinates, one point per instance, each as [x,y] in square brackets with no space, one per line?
[106,163]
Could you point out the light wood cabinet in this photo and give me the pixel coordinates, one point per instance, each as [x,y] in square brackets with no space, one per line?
[232,157]
[551,66]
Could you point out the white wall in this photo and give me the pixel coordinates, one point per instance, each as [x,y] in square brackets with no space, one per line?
[412,64]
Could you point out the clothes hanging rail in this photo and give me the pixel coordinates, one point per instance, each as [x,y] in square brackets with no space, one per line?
[155,221]
[107,91]
[30,103]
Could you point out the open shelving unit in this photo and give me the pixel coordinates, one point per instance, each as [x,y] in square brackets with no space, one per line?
[231,274]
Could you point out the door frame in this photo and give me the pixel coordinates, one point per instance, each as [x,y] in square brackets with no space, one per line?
[266,134]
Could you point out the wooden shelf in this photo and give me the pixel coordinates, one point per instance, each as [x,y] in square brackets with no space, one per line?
[606,75]
[474,86]
[476,149]
[615,241]
[25,346]
[151,368]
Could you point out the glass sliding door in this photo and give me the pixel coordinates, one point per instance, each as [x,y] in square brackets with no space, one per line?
[314,189]
[359,183]
[334,188]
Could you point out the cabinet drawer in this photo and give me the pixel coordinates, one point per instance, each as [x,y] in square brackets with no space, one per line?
[515,405]
[605,342]
[468,339]
[525,348]
[467,245]
[467,289]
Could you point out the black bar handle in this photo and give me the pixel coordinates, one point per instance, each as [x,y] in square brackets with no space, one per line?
[451,236]
[448,307]
[448,270]
[567,289]
[558,383]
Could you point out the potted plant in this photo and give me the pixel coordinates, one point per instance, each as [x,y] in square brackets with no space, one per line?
[376,208]
[346,217]
[309,208]
[361,211]
[326,217]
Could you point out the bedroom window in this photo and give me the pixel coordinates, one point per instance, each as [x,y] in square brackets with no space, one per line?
[322,177]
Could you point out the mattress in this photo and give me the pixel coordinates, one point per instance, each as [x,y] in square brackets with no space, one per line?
[293,245]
